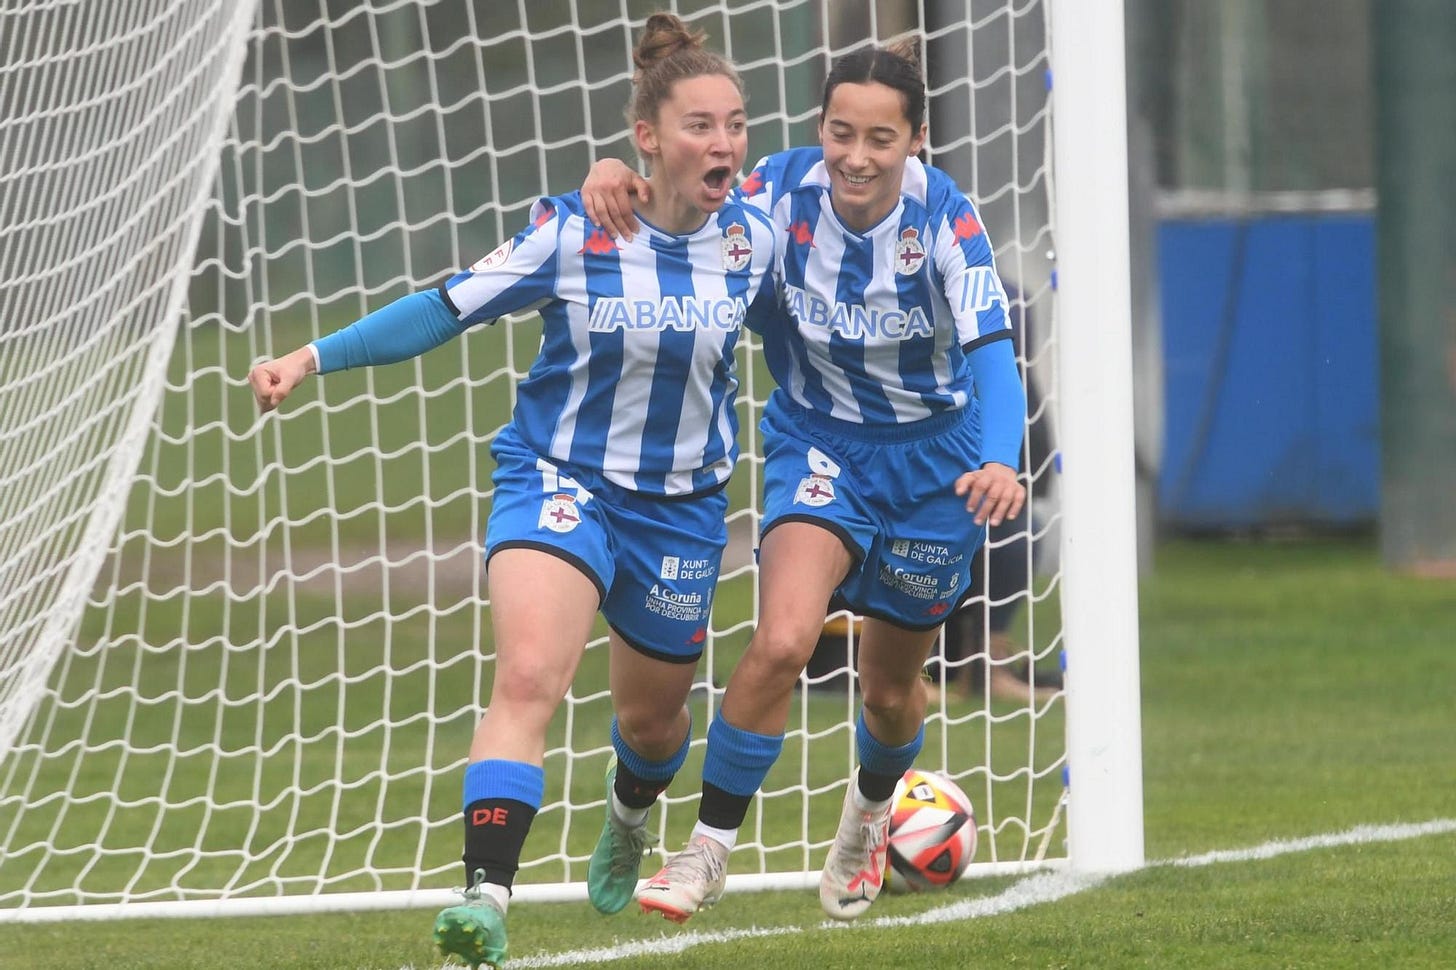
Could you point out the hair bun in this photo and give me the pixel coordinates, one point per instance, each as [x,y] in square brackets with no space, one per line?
[664,35]
[907,48]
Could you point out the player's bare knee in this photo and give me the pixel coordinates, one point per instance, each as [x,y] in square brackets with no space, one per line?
[781,652]
[893,703]
[650,733]
[526,690]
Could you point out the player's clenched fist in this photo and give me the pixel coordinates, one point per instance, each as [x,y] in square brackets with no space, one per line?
[274,380]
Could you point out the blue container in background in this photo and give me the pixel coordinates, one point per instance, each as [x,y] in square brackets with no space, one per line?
[1271,367]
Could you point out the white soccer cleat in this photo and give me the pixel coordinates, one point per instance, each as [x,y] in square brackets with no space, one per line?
[854,872]
[692,880]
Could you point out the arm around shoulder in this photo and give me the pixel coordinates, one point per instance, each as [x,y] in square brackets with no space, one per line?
[607,196]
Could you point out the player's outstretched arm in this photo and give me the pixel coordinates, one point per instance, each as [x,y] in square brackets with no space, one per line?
[274,380]
[607,195]
[992,493]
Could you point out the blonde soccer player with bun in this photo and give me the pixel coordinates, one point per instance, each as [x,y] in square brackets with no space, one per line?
[890,444]
[609,482]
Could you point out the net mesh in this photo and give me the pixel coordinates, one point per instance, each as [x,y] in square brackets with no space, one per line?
[244,657]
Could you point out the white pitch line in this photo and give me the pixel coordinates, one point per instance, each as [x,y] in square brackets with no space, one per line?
[1358,834]
[1035,890]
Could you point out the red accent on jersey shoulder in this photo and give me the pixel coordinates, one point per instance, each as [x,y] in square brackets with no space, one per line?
[800,233]
[966,227]
[753,184]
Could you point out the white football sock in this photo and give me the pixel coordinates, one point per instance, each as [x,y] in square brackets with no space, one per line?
[727,838]
[629,817]
[500,894]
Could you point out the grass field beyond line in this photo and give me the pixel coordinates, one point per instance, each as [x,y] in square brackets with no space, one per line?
[1290,690]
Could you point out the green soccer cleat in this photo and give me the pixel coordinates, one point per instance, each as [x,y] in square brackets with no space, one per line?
[475,930]
[611,877]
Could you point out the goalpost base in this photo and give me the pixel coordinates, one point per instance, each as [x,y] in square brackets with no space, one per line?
[425,899]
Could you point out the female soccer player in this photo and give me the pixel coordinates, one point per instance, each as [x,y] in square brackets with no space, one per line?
[610,476]
[891,441]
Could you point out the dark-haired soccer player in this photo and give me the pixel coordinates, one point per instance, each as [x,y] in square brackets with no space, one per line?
[891,442]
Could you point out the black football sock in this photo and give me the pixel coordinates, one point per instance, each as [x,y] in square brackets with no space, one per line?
[495,832]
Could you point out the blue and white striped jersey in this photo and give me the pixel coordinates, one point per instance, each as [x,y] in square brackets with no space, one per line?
[635,377]
[886,319]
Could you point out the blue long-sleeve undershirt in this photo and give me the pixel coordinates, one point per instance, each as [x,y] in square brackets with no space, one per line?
[1003,402]
[406,328]
[420,322]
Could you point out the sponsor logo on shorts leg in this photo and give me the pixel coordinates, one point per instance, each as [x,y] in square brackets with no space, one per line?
[952,592]
[559,513]
[918,585]
[815,491]
[676,567]
[926,553]
[673,605]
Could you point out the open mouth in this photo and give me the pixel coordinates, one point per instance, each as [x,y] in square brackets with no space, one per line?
[857,179]
[717,179]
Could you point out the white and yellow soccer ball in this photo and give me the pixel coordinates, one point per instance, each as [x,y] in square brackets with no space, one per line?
[932,833]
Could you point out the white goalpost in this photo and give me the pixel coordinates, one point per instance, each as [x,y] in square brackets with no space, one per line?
[1099,541]
[241,658]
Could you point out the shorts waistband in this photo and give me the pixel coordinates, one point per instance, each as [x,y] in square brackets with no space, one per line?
[930,427]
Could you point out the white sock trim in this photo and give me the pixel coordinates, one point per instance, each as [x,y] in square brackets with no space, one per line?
[629,817]
[727,838]
[500,894]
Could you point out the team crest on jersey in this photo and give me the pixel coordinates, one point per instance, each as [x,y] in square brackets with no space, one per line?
[909,253]
[737,250]
[815,491]
[559,513]
[496,257]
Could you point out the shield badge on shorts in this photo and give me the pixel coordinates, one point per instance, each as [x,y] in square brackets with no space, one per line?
[814,491]
[559,513]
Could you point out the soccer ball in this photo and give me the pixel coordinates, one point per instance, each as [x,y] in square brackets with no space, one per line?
[932,833]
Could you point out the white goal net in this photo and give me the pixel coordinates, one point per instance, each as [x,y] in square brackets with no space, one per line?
[241,658]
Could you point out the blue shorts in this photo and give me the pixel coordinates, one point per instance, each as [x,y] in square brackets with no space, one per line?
[654,560]
[889,494]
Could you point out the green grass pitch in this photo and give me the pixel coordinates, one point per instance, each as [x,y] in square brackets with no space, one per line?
[1289,690]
